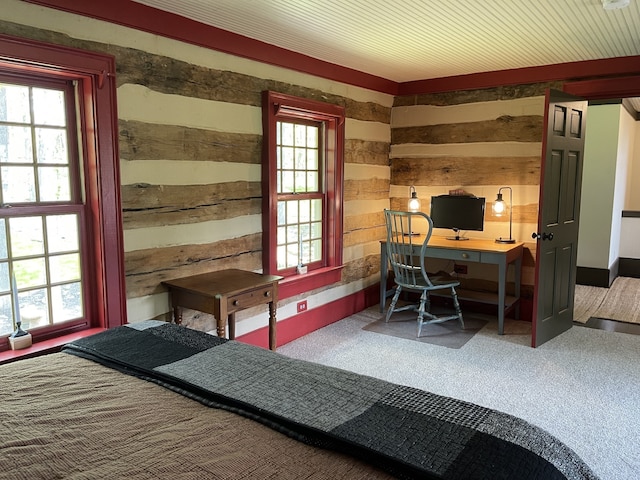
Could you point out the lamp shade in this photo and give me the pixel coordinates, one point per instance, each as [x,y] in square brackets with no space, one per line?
[499,206]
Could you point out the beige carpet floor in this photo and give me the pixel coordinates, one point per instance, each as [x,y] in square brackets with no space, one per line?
[620,302]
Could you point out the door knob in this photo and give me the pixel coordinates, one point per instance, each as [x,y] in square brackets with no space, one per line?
[544,236]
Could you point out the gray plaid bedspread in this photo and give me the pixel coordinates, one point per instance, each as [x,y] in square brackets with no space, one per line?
[408,432]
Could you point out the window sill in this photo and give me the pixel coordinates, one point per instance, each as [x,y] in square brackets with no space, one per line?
[296,284]
[46,346]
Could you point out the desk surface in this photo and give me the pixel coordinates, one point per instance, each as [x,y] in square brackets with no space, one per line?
[221,282]
[476,244]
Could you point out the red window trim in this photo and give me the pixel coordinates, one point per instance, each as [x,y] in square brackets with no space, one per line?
[95,74]
[276,105]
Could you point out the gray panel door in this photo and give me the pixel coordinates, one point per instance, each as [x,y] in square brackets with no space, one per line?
[558,215]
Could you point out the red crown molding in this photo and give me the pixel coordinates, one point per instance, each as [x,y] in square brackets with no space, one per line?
[609,67]
[159,22]
[604,88]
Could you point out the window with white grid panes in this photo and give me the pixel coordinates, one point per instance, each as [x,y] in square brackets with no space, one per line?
[300,198]
[40,207]
[303,163]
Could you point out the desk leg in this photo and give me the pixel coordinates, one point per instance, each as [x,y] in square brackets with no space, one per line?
[272,326]
[232,326]
[502,282]
[384,265]
[517,280]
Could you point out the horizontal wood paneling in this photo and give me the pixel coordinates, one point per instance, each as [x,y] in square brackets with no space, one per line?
[147,141]
[466,171]
[366,152]
[503,129]
[360,269]
[169,75]
[195,81]
[356,237]
[373,189]
[506,92]
[156,205]
[364,221]
[478,149]
[146,269]
[521,213]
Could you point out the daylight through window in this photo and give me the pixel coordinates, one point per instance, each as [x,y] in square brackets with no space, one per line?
[299,194]
[40,214]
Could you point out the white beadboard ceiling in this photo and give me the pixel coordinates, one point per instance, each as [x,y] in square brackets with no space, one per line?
[405,40]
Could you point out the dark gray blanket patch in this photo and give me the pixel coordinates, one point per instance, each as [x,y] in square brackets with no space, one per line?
[408,432]
[133,348]
[322,397]
[187,337]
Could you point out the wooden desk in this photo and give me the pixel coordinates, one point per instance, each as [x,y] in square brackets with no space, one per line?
[222,294]
[472,250]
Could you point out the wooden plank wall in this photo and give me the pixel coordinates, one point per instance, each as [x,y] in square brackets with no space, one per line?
[190,137]
[477,141]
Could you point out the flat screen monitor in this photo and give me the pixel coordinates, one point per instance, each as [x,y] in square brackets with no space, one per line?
[457,212]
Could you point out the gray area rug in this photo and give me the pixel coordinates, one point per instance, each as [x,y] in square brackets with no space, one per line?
[582,386]
[447,334]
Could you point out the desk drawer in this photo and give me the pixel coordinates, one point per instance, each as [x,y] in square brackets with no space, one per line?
[259,296]
[468,256]
[454,254]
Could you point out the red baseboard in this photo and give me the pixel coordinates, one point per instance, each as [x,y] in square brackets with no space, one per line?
[315,318]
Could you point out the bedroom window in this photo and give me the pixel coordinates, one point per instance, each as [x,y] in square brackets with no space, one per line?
[302,215]
[39,207]
[61,241]
[299,238]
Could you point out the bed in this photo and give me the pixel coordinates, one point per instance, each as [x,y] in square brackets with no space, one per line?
[154,400]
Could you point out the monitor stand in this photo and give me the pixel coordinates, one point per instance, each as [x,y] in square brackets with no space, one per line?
[457,237]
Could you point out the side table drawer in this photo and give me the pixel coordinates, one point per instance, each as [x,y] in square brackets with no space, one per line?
[259,296]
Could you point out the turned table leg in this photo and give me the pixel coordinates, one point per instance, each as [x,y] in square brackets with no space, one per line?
[272,326]
[177,315]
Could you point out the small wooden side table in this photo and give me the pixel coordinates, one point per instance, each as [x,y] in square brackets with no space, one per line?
[222,294]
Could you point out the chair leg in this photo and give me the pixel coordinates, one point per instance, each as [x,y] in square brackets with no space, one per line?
[456,305]
[424,300]
[392,306]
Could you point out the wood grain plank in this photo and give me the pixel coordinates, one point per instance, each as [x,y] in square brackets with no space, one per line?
[145,270]
[366,152]
[525,128]
[368,220]
[147,141]
[507,92]
[371,189]
[146,205]
[357,237]
[361,268]
[460,171]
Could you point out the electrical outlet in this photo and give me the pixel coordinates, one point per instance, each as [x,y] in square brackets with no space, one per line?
[302,306]
[460,269]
